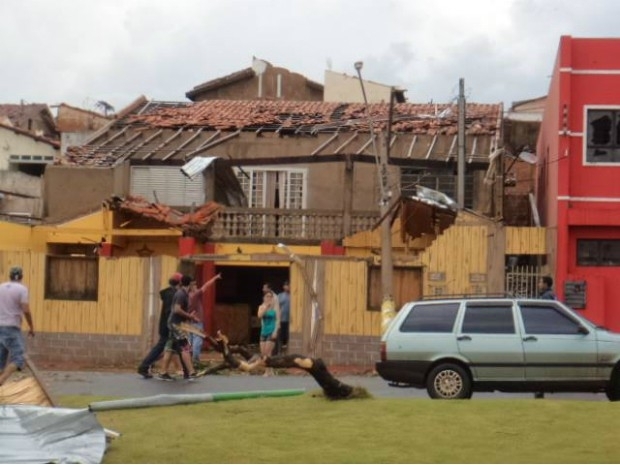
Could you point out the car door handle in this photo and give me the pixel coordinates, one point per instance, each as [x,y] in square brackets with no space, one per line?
[530,339]
[463,338]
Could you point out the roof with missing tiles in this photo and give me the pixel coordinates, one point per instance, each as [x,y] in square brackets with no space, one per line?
[165,130]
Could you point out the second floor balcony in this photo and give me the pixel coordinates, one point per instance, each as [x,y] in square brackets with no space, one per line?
[271,225]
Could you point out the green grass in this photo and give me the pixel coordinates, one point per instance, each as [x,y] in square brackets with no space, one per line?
[307,429]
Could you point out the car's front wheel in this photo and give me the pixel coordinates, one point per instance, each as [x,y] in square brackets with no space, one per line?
[448,381]
[613,389]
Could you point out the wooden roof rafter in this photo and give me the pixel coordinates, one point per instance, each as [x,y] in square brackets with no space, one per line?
[163,144]
[182,146]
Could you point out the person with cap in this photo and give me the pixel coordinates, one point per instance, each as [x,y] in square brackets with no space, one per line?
[166,295]
[13,306]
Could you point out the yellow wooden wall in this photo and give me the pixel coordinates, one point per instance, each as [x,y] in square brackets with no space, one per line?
[342,286]
[460,256]
[123,301]
[521,240]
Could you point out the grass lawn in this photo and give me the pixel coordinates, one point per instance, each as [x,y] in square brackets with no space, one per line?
[307,429]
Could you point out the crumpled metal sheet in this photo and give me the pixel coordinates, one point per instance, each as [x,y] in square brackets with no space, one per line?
[33,434]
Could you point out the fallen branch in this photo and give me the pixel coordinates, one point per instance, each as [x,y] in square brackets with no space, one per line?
[332,387]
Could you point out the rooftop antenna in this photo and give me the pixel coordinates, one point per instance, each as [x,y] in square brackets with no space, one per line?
[259,67]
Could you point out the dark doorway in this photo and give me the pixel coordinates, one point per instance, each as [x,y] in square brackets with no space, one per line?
[238,296]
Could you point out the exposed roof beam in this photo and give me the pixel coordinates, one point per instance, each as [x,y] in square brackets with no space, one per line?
[110,139]
[431,146]
[452,146]
[473,148]
[163,144]
[347,142]
[207,146]
[324,144]
[413,141]
[363,147]
[142,144]
[183,145]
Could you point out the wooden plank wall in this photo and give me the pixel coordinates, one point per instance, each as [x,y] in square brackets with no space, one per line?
[342,286]
[456,263]
[122,296]
[526,241]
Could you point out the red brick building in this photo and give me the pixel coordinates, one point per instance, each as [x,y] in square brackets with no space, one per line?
[578,176]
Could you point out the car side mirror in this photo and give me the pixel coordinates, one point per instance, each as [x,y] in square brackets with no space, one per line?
[582,330]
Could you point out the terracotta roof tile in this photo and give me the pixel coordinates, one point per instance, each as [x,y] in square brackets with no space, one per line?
[196,223]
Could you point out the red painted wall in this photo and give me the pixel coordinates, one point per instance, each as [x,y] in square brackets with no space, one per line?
[562,178]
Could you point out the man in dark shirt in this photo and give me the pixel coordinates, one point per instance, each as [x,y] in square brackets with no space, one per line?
[177,340]
[545,287]
[166,296]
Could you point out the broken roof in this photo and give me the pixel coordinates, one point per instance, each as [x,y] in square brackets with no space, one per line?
[197,223]
[23,115]
[174,132]
[230,115]
[23,132]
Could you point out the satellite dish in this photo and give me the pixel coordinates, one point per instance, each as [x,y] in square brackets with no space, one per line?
[528,157]
[258,66]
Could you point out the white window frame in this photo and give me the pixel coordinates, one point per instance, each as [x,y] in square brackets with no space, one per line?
[303,171]
[585,134]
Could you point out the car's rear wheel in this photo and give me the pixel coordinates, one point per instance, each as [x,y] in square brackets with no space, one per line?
[613,389]
[448,381]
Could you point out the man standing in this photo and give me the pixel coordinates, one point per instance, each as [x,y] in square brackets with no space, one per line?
[177,340]
[166,295]
[13,304]
[195,307]
[545,288]
[284,299]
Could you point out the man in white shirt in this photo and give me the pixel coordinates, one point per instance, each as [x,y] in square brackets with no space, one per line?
[13,306]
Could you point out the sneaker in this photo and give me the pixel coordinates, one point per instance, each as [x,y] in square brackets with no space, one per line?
[165,377]
[191,377]
[144,373]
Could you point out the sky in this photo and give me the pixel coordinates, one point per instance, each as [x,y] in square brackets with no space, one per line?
[79,52]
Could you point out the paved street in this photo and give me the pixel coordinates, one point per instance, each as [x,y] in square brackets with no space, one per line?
[131,385]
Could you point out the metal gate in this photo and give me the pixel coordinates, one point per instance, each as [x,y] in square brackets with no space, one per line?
[522,281]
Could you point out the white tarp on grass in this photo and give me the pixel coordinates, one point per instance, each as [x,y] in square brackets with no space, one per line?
[32,434]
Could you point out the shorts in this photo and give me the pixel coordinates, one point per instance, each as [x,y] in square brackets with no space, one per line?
[11,347]
[268,338]
[177,345]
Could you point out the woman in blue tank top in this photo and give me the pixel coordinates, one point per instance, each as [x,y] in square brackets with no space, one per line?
[269,314]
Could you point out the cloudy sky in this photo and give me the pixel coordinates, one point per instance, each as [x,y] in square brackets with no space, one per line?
[78,51]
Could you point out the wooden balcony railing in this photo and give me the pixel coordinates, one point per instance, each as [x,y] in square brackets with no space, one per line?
[273,224]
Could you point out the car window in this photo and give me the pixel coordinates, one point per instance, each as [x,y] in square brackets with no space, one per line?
[430,318]
[489,319]
[541,319]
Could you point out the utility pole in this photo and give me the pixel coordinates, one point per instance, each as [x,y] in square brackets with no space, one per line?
[382,158]
[460,180]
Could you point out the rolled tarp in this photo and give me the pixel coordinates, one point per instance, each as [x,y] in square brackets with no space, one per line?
[163,400]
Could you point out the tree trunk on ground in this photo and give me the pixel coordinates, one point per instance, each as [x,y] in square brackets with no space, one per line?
[332,388]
